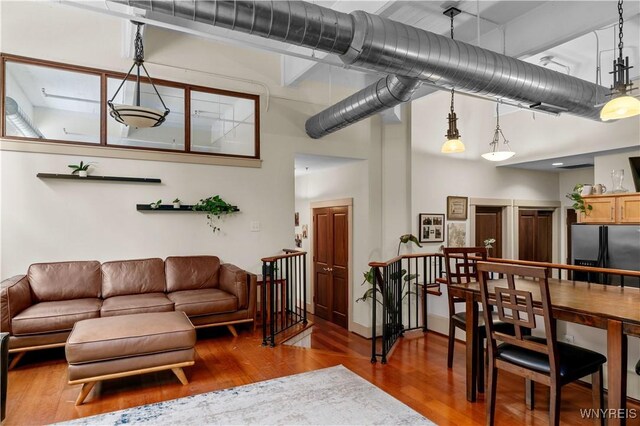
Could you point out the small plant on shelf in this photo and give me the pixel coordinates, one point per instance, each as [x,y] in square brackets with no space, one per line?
[176,203]
[156,205]
[215,207]
[578,202]
[81,169]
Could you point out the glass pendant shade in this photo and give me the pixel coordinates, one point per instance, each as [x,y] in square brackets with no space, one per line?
[498,155]
[452,146]
[621,107]
[137,116]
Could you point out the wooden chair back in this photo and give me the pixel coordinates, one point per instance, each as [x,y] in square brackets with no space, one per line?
[461,268]
[515,306]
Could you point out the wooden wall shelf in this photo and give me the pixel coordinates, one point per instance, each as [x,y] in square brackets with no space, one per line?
[93,178]
[170,208]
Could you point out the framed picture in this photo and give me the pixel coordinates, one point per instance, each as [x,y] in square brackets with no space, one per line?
[457,208]
[430,228]
[457,234]
[305,232]
[296,219]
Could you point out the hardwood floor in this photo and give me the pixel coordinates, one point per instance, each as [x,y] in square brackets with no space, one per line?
[416,375]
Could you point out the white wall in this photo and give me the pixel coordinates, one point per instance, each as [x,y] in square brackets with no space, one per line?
[46,220]
[604,164]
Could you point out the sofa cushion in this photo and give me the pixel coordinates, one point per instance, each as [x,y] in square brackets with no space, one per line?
[132,277]
[191,272]
[64,280]
[49,317]
[135,304]
[204,301]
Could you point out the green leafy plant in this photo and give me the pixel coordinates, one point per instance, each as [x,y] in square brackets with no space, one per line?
[215,207]
[82,167]
[369,276]
[578,202]
[177,200]
[155,205]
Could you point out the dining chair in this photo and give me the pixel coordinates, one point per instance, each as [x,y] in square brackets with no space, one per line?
[460,267]
[541,359]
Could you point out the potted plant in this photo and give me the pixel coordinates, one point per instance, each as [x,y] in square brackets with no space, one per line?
[578,202]
[215,207]
[176,203]
[156,205]
[81,169]
[369,276]
[488,244]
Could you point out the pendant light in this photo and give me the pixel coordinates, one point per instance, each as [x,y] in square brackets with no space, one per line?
[496,152]
[453,144]
[621,105]
[136,115]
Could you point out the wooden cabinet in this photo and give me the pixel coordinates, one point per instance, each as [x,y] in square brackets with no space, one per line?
[610,208]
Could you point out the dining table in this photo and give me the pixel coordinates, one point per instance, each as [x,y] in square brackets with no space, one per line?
[611,308]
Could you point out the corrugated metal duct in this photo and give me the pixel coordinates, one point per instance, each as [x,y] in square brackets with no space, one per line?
[382,45]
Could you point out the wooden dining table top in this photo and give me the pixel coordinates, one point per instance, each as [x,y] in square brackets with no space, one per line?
[598,300]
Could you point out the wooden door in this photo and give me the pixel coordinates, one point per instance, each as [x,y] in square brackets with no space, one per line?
[331,264]
[489,225]
[535,235]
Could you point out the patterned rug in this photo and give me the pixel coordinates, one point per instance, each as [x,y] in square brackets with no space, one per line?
[331,396]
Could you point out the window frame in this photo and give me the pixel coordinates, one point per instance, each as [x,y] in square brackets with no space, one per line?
[104,75]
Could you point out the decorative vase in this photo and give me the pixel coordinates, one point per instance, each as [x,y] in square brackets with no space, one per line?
[617,176]
[82,173]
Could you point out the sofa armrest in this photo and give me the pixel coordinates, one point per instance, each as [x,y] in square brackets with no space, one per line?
[15,297]
[240,283]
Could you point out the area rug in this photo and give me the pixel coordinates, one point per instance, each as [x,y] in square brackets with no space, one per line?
[331,396]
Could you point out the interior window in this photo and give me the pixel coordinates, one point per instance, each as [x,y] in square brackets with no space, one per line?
[222,124]
[51,104]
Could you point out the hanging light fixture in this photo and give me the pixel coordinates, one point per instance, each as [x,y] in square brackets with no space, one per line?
[622,104]
[496,152]
[136,115]
[453,144]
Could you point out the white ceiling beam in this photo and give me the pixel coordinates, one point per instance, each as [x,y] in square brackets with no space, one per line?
[554,23]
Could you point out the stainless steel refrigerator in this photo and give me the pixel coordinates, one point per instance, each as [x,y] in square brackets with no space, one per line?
[606,246]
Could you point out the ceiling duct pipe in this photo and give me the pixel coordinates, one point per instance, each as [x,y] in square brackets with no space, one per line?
[382,45]
[20,120]
[383,94]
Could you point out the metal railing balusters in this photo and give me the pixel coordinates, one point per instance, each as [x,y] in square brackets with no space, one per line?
[283,295]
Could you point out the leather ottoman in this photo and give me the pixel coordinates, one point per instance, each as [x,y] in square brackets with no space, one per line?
[112,347]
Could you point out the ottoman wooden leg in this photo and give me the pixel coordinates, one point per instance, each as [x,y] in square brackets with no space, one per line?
[180,375]
[86,388]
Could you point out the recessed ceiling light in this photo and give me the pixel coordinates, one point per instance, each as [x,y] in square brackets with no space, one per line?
[557,164]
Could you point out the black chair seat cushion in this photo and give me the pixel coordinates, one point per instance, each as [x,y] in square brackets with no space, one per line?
[461,320]
[575,362]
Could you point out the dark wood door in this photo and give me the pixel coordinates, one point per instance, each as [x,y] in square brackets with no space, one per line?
[331,264]
[535,235]
[489,225]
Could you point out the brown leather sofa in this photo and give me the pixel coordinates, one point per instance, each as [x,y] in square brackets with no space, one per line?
[39,309]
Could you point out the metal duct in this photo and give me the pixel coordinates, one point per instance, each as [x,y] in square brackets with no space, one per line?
[382,45]
[385,93]
[20,120]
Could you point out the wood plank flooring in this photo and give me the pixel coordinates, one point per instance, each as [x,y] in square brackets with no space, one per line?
[416,374]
